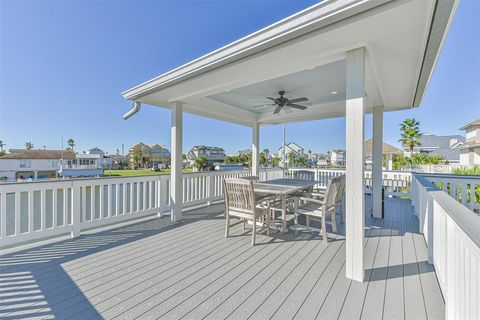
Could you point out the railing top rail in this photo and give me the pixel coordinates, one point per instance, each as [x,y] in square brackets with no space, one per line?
[466,219]
[449,175]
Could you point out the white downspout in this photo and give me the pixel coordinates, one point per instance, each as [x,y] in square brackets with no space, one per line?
[135,108]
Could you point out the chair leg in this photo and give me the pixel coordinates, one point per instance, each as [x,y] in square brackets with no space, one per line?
[334,221]
[295,222]
[342,213]
[244,224]
[268,223]
[307,218]
[324,227]
[254,230]
[227,225]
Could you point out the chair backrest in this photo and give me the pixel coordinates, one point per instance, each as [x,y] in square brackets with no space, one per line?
[334,192]
[304,175]
[239,195]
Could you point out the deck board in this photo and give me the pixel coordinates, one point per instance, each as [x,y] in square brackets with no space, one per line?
[188,270]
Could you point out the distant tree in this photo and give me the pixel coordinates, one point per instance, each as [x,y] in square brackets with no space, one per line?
[2,144]
[276,161]
[410,134]
[71,144]
[302,161]
[291,158]
[137,157]
[263,159]
[29,145]
[200,163]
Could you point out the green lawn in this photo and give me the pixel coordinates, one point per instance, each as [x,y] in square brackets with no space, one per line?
[128,173]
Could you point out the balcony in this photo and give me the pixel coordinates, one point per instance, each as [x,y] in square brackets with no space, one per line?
[128,259]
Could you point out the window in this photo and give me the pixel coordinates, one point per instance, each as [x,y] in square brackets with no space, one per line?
[25,163]
[54,163]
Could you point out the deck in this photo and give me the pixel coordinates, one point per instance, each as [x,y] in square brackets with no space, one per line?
[156,269]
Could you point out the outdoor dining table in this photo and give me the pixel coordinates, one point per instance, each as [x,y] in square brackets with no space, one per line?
[283,188]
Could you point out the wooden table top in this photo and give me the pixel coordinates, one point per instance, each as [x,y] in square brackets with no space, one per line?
[283,186]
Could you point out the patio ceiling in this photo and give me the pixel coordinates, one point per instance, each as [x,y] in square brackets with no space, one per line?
[305,55]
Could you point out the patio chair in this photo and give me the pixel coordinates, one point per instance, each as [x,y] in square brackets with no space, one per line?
[320,194]
[240,202]
[318,209]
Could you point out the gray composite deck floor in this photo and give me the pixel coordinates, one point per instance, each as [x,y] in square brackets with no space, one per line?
[155,269]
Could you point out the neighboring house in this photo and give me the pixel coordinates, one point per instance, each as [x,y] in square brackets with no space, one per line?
[470,150]
[34,164]
[105,160]
[337,157]
[388,150]
[84,165]
[445,146]
[318,159]
[290,147]
[149,156]
[212,154]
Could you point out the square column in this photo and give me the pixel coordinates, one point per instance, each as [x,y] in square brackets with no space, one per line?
[377,159]
[176,180]
[355,132]
[255,149]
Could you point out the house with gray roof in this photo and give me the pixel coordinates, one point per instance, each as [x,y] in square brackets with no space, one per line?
[445,146]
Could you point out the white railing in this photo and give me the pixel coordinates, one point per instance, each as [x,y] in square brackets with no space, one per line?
[463,188]
[428,168]
[452,234]
[396,183]
[40,210]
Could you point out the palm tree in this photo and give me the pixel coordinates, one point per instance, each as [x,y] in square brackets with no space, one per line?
[410,134]
[291,156]
[200,163]
[2,144]
[71,144]
[29,145]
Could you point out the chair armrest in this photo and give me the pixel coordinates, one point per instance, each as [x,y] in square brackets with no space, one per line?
[313,200]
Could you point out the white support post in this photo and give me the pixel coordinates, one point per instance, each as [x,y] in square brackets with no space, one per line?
[255,149]
[355,130]
[377,161]
[176,182]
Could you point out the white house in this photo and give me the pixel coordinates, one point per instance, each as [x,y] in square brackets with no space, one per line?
[470,151]
[212,154]
[33,164]
[337,157]
[290,147]
[105,160]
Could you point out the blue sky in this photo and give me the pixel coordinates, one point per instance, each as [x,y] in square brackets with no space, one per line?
[64,64]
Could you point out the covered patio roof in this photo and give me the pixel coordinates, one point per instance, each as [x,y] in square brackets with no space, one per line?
[305,55]
[346,57]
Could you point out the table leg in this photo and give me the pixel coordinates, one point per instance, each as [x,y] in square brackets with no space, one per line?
[284,213]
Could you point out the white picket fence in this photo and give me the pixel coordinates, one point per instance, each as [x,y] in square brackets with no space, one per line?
[452,234]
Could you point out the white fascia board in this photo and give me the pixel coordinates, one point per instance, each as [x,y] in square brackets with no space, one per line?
[318,16]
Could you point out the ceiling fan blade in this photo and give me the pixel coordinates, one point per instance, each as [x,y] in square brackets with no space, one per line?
[270,98]
[277,110]
[298,100]
[297,106]
[264,105]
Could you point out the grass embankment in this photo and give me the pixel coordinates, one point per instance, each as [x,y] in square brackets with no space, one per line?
[129,173]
